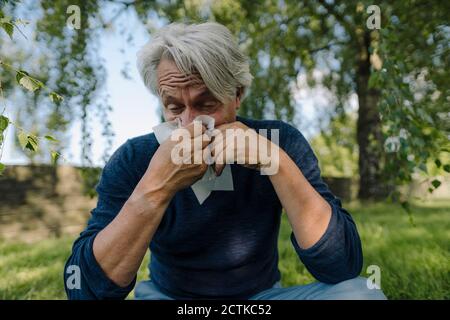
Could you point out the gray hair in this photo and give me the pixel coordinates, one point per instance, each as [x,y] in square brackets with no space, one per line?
[207,48]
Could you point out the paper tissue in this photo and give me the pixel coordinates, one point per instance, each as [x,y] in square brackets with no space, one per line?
[209,182]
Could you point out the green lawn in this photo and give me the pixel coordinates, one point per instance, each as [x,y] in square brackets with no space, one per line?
[414,260]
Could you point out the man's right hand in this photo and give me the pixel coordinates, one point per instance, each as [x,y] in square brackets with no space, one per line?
[165,176]
[120,247]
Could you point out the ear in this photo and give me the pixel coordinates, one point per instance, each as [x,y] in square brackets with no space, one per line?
[239,93]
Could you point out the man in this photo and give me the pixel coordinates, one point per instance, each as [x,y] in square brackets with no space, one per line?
[225,247]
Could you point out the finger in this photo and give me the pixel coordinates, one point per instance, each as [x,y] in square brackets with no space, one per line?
[234,124]
[219,162]
[200,142]
[220,138]
[218,169]
[217,145]
[206,140]
[195,128]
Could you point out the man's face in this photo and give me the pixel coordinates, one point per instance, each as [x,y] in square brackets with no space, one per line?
[186,96]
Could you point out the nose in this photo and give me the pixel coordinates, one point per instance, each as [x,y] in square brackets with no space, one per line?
[188,116]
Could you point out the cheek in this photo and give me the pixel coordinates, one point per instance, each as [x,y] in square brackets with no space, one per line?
[227,114]
[167,115]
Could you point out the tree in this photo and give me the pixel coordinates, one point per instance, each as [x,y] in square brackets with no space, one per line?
[27,139]
[68,64]
[398,71]
[384,66]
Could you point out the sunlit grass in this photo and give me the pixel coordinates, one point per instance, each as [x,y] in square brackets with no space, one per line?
[414,260]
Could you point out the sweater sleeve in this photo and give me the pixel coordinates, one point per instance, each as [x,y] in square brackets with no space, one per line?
[84,278]
[337,255]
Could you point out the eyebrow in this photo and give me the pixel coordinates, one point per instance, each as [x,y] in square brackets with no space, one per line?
[203,95]
[169,100]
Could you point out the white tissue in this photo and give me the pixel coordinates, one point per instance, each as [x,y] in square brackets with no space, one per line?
[209,182]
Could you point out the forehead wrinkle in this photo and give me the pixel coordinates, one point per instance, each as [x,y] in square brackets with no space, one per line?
[171,86]
[168,73]
[172,75]
[174,89]
[174,83]
[180,80]
[186,92]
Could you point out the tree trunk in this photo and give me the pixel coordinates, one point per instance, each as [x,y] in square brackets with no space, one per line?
[369,135]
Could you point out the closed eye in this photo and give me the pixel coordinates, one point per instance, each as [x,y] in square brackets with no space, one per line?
[209,104]
[174,108]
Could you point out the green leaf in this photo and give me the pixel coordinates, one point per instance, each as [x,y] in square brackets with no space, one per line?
[374,80]
[51,138]
[54,97]
[438,163]
[55,156]
[28,141]
[28,82]
[7,25]
[405,206]
[436,183]
[4,122]
[23,139]
[32,143]
[20,74]
[2,168]
[447,167]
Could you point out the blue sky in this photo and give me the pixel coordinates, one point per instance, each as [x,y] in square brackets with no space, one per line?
[135,110]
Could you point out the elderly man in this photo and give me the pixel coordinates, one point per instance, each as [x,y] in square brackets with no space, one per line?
[225,247]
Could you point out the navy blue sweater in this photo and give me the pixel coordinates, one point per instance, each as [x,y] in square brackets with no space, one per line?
[224,248]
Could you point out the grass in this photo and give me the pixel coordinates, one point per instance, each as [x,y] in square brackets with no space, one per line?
[414,260]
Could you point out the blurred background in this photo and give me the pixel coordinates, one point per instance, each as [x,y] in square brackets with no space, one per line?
[366,82]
